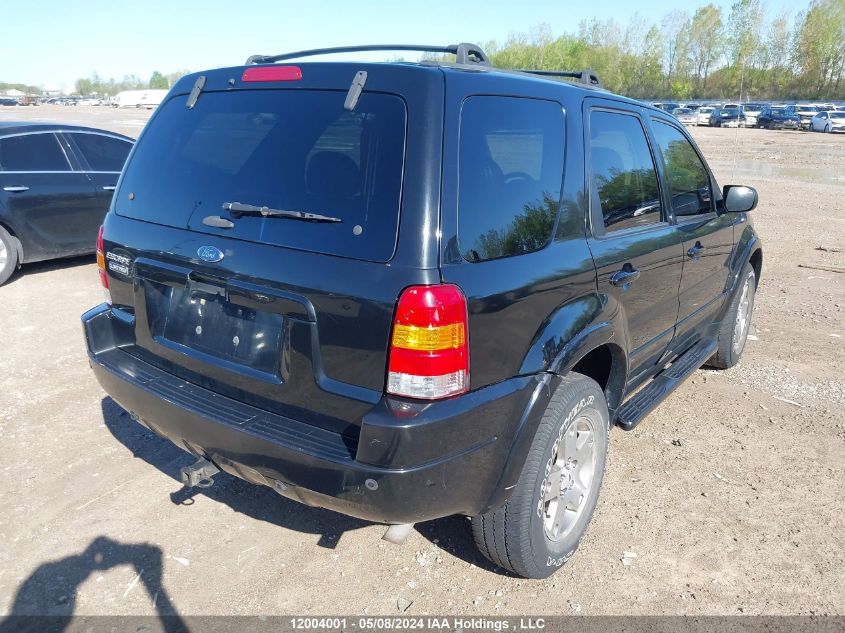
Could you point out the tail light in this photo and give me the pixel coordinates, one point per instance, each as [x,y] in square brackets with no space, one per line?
[429,353]
[101,265]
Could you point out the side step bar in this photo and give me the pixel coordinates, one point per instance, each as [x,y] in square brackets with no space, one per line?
[633,410]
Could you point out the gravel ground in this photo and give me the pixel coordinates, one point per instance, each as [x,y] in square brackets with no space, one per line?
[729,495]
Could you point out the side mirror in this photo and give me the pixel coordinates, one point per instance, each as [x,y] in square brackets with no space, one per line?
[739,199]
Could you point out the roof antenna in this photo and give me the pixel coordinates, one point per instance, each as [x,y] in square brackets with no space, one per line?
[355,90]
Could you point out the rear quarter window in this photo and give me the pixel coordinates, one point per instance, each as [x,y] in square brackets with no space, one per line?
[510,172]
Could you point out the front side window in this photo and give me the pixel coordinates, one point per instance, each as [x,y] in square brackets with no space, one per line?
[32,152]
[624,179]
[510,174]
[103,153]
[689,182]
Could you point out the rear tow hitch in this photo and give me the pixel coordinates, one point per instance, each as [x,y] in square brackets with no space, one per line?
[199,474]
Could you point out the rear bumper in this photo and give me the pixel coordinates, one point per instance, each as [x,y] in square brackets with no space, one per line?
[411,461]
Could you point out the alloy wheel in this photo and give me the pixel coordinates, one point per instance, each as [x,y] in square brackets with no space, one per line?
[743,315]
[570,479]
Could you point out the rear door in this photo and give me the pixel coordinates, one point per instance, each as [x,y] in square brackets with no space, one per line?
[637,250]
[708,237]
[48,200]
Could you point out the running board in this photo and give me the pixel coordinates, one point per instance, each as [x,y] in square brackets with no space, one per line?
[632,411]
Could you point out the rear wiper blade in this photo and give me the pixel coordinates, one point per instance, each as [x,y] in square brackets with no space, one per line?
[238,209]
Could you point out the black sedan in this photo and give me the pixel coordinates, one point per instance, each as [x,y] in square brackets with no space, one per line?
[727,117]
[56,184]
[779,117]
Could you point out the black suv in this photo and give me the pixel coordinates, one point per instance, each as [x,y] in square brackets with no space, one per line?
[403,291]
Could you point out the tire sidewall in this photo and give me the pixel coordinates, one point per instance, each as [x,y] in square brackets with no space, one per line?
[11,256]
[585,397]
[748,276]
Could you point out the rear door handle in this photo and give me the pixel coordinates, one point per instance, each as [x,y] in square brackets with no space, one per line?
[16,189]
[625,276]
[109,187]
[694,252]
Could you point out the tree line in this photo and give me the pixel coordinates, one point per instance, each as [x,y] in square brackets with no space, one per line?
[96,85]
[743,52]
[706,53]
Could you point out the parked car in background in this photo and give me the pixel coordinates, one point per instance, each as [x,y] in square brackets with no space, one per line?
[56,184]
[828,121]
[778,118]
[727,117]
[8,101]
[806,114]
[687,116]
[751,111]
[702,116]
[666,106]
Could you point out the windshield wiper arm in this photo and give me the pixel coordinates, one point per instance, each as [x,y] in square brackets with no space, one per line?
[238,209]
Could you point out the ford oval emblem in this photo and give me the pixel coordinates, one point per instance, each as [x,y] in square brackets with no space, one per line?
[209,253]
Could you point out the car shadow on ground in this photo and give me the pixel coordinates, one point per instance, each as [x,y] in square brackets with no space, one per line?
[50,592]
[49,266]
[451,534]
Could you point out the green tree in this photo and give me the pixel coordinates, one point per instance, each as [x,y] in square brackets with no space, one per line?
[158,81]
[819,48]
[744,37]
[675,32]
[705,44]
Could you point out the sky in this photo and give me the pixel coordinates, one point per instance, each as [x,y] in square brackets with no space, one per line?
[51,43]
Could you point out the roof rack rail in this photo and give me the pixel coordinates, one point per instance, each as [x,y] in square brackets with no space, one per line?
[586,76]
[465,53]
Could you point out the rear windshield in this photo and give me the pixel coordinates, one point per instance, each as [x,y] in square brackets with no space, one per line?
[290,150]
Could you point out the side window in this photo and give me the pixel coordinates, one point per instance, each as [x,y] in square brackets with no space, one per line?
[624,178]
[103,153]
[510,173]
[32,152]
[689,183]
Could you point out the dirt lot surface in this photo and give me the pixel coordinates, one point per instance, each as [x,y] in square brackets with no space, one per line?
[730,494]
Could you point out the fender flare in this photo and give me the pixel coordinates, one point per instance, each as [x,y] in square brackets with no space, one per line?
[606,327]
[747,245]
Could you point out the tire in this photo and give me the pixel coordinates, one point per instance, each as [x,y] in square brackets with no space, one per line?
[733,332]
[8,256]
[827,129]
[520,535]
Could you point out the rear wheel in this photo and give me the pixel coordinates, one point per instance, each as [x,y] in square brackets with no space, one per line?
[8,256]
[827,128]
[541,525]
[733,332]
